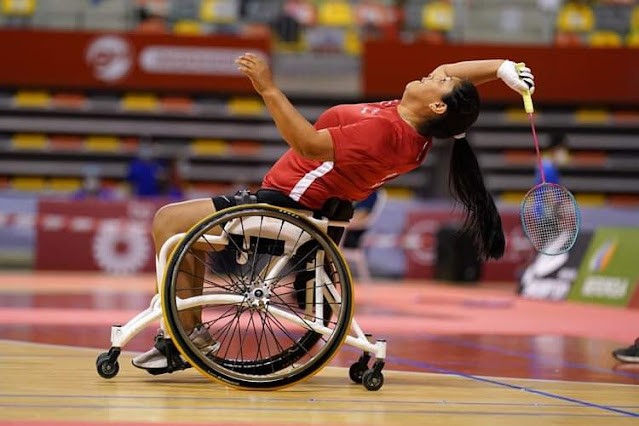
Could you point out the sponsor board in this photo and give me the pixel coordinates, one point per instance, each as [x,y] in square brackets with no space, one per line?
[419,242]
[95,236]
[64,59]
[552,277]
[610,270]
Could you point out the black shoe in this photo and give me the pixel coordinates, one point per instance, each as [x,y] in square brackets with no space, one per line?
[629,354]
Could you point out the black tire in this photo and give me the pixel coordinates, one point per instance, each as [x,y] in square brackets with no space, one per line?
[105,368]
[269,355]
[356,372]
[372,380]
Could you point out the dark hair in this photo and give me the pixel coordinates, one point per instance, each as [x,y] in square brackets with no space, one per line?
[482,220]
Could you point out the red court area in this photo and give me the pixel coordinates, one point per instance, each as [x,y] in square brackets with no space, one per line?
[465,330]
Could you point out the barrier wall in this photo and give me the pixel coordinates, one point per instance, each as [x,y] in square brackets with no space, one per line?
[567,75]
[84,60]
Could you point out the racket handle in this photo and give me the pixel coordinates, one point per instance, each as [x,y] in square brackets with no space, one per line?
[528,103]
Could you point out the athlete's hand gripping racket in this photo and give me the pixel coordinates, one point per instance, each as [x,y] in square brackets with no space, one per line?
[549,212]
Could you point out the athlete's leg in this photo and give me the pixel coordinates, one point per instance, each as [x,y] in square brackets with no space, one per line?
[173,219]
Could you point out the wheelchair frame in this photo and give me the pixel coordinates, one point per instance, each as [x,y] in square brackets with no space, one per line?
[122,334]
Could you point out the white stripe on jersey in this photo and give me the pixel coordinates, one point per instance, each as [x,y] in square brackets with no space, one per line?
[302,185]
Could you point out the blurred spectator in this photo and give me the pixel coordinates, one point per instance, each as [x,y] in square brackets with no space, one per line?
[297,15]
[554,156]
[92,186]
[145,173]
[152,16]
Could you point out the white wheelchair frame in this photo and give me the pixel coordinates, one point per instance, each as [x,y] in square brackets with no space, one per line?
[122,334]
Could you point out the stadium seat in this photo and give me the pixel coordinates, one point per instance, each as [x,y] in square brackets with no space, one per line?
[30,141]
[102,143]
[31,99]
[18,7]
[352,41]
[335,13]
[245,106]
[605,38]
[139,102]
[632,39]
[211,147]
[438,16]
[30,184]
[65,184]
[219,11]
[634,19]
[188,27]
[575,18]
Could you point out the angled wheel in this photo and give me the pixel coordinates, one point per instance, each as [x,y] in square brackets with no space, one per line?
[236,272]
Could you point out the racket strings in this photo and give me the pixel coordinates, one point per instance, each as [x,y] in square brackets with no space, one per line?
[550,218]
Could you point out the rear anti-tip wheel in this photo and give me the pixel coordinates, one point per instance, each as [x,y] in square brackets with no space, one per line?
[372,380]
[105,367]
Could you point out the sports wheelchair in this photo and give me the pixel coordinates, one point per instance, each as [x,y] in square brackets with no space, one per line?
[272,289]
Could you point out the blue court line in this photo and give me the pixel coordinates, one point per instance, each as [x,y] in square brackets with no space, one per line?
[432,367]
[327,410]
[270,399]
[531,356]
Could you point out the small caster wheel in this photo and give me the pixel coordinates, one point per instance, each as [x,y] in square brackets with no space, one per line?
[105,368]
[372,380]
[356,371]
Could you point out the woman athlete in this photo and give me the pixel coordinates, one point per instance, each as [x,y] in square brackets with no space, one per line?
[350,152]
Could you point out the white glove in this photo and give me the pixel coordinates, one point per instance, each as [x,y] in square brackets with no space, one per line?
[518,78]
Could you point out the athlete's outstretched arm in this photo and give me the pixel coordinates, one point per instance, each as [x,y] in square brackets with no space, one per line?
[479,72]
[295,129]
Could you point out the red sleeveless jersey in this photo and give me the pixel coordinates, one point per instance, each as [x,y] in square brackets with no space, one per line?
[372,144]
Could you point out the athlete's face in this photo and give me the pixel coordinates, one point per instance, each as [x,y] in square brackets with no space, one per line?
[430,90]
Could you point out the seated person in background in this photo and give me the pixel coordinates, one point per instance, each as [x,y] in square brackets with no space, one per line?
[359,222]
[629,354]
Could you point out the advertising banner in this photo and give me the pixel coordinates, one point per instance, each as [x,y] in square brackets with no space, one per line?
[552,277]
[419,244]
[95,236]
[610,270]
[61,59]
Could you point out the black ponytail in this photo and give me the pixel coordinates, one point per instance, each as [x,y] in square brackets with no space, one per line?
[482,220]
[467,185]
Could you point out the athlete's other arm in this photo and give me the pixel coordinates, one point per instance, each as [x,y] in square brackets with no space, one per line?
[479,72]
[294,128]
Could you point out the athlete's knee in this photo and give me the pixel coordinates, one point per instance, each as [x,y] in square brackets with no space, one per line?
[166,222]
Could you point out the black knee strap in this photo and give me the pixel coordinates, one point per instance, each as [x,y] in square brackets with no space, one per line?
[244,197]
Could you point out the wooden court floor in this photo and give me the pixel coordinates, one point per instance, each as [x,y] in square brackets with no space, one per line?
[452,359]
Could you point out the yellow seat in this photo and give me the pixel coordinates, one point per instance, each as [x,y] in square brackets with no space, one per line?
[352,42]
[245,106]
[214,147]
[18,7]
[335,13]
[29,141]
[218,11]
[139,102]
[32,99]
[188,27]
[65,184]
[605,39]
[102,143]
[634,19]
[575,18]
[632,40]
[23,183]
[438,16]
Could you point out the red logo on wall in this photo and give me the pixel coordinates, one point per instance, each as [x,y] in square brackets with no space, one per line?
[110,57]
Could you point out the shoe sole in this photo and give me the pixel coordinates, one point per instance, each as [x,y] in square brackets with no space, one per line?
[625,358]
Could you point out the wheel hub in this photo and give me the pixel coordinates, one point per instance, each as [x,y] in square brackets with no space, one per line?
[258,296]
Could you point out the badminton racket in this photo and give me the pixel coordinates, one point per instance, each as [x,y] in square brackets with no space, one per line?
[549,213]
